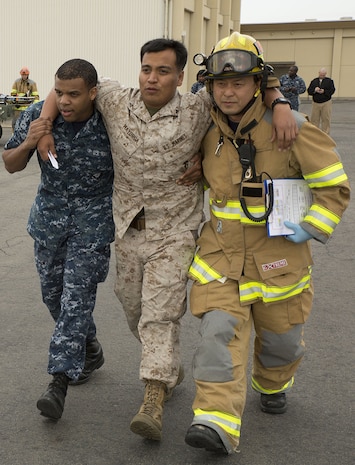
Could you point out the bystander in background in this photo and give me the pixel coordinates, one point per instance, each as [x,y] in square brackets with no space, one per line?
[291,86]
[200,82]
[23,87]
[321,89]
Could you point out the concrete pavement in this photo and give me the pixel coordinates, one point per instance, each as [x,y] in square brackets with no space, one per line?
[94,429]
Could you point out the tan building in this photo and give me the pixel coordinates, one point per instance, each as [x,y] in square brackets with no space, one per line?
[311,46]
[42,34]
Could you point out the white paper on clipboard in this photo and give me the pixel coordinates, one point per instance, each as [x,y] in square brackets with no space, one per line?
[292,200]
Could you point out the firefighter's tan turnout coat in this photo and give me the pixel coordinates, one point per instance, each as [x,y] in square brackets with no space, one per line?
[242,275]
[24,88]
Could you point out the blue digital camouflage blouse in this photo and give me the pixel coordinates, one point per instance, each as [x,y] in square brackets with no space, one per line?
[78,195]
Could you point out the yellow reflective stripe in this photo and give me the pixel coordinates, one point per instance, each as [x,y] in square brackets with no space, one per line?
[202,272]
[256,386]
[233,211]
[257,212]
[322,218]
[330,176]
[229,423]
[257,290]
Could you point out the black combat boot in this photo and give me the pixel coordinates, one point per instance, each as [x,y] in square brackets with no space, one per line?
[51,402]
[94,359]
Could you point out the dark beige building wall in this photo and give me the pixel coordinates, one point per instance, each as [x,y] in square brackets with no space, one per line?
[311,46]
[101,32]
[200,24]
[109,33]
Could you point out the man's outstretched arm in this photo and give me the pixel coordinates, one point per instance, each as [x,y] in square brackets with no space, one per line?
[284,127]
[49,112]
[16,159]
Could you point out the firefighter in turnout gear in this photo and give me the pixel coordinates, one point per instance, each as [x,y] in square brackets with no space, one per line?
[240,274]
[23,87]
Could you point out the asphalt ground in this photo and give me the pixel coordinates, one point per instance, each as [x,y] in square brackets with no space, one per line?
[94,430]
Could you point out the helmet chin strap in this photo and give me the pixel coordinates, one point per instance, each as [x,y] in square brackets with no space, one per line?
[249,104]
[246,108]
[267,70]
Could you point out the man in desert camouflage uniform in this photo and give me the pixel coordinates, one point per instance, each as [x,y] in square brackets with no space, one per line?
[154,132]
[71,223]
[155,217]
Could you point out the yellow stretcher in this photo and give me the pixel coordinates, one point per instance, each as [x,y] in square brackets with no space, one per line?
[14,101]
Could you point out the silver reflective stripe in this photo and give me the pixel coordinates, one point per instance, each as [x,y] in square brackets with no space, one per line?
[220,419]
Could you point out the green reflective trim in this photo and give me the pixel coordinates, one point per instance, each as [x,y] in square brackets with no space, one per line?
[257,290]
[332,175]
[229,423]
[202,272]
[233,211]
[322,219]
[256,386]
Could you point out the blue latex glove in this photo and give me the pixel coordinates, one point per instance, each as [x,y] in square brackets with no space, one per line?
[300,234]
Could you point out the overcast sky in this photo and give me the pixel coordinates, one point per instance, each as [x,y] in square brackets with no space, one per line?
[276,11]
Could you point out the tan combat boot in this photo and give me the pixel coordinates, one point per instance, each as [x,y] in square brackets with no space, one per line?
[148,421]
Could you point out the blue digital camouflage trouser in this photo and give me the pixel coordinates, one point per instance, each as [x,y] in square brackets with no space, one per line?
[69,278]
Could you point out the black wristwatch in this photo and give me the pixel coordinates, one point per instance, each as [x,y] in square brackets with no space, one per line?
[280,100]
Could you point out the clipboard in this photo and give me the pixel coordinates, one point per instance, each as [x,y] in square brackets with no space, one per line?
[292,201]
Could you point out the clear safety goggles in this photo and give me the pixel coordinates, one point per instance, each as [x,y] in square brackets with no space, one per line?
[233,61]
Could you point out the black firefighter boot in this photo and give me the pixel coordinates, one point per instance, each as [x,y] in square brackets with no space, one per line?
[273,403]
[51,402]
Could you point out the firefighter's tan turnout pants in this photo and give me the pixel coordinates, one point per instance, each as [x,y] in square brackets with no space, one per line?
[220,362]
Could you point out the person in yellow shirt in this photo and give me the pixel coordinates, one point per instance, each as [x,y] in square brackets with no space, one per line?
[23,87]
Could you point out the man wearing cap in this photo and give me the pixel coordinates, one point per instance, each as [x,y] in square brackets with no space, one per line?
[23,87]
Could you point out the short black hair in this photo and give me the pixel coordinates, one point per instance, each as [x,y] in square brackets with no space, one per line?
[78,68]
[159,45]
[200,73]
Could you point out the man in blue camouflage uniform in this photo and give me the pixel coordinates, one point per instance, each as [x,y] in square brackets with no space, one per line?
[291,86]
[71,223]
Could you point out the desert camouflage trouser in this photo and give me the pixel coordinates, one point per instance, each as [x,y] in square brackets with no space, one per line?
[151,286]
[69,278]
